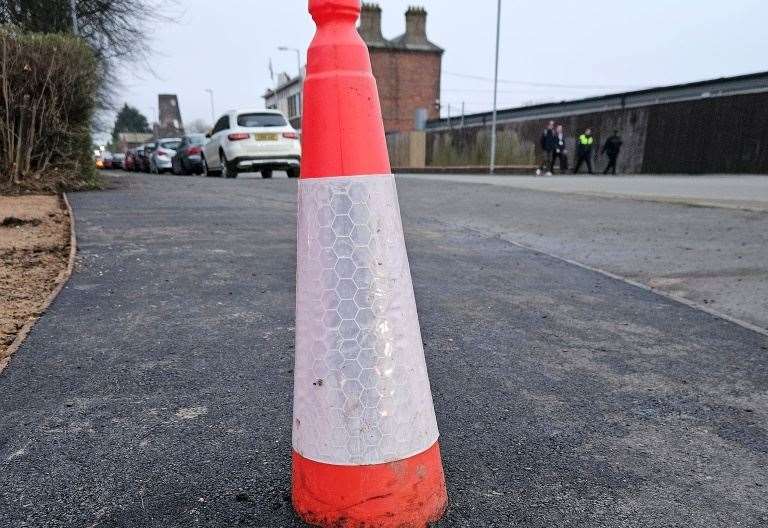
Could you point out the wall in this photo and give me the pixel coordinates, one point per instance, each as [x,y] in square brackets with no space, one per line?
[407,149]
[518,142]
[714,135]
[709,135]
[407,80]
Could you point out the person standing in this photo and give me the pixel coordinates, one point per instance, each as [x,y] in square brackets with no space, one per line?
[584,146]
[548,145]
[612,148]
[559,152]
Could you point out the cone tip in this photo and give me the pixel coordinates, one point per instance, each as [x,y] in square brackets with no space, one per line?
[343,5]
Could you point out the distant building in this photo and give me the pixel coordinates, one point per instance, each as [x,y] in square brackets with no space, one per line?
[407,70]
[129,140]
[287,97]
[169,119]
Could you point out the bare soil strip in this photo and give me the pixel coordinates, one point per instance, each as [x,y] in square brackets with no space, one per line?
[34,260]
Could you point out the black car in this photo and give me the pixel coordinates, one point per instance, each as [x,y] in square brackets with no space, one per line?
[145,152]
[118,161]
[188,158]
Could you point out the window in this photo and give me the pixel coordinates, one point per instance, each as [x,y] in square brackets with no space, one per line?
[170,145]
[294,106]
[260,120]
[221,124]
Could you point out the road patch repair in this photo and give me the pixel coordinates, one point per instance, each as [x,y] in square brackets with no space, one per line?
[36,250]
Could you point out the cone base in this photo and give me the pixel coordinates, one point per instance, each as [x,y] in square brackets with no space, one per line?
[407,493]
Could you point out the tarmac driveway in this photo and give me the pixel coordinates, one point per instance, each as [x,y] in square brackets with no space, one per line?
[156,392]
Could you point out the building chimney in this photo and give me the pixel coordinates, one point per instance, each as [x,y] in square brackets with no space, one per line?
[416,25]
[370,23]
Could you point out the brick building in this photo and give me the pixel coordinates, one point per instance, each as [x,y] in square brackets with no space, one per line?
[169,119]
[407,68]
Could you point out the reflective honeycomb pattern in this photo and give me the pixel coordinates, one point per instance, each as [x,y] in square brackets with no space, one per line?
[361,393]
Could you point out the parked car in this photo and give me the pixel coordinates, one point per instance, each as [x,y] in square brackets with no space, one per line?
[252,140]
[188,158]
[130,160]
[145,154]
[160,159]
[118,161]
[106,157]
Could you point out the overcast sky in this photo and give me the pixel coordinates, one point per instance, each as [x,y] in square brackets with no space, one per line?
[586,47]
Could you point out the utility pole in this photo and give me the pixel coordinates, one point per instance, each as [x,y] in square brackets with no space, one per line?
[73,12]
[213,108]
[462,114]
[495,89]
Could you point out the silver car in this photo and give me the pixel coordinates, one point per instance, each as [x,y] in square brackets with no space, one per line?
[160,160]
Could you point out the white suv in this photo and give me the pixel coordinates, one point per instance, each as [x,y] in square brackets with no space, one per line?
[252,140]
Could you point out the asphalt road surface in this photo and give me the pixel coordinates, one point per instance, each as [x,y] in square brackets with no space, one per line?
[702,239]
[156,392]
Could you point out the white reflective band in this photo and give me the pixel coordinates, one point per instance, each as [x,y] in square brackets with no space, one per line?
[361,393]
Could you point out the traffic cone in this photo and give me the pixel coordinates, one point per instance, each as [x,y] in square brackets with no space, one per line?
[365,439]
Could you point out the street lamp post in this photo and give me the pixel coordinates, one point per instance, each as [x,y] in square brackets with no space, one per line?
[298,56]
[213,108]
[73,12]
[495,90]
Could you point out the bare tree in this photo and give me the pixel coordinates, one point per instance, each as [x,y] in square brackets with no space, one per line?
[114,29]
[198,126]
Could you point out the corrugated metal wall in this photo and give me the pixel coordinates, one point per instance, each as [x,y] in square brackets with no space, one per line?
[714,135]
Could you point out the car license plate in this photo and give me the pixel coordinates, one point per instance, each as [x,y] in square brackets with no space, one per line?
[265,137]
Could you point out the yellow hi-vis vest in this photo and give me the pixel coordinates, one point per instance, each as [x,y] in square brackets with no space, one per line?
[586,140]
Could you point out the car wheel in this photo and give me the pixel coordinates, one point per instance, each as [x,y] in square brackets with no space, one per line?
[207,172]
[294,172]
[266,173]
[228,168]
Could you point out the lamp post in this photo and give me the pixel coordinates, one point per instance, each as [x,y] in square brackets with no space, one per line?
[73,12]
[495,89]
[298,56]
[213,108]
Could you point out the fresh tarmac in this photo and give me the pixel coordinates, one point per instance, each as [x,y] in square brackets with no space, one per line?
[156,392]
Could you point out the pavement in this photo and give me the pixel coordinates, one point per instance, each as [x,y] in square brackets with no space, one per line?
[727,191]
[641,228]
[156,391]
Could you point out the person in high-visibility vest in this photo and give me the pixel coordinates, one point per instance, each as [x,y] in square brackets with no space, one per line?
[584,144]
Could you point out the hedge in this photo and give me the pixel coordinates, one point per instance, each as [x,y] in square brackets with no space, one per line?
[48,86]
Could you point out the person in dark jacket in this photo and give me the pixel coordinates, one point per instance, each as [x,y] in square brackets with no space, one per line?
[612,148]
[559,152]
[548,145]
[584,144]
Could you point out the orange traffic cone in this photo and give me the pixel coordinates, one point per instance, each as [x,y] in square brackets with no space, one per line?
[365,450]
